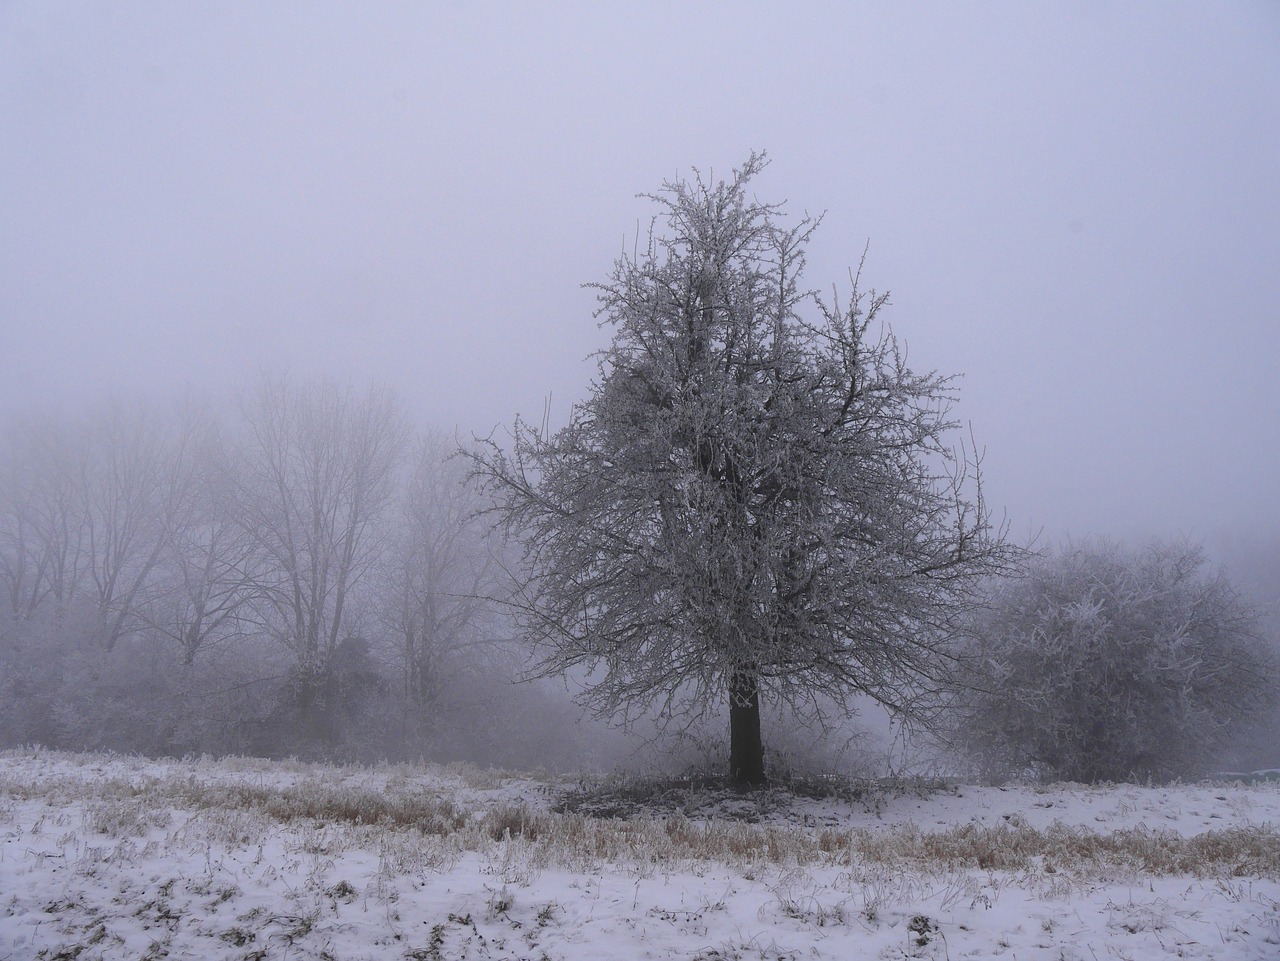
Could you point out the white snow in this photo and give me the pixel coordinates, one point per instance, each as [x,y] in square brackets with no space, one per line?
[123,858]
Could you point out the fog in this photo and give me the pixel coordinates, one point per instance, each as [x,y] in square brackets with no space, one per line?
[1074,206]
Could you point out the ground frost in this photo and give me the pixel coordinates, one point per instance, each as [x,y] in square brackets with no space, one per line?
[122,858]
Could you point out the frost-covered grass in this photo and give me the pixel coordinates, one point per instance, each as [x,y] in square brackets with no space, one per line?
[117,857]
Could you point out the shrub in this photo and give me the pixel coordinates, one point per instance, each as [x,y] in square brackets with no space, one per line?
[1104,664]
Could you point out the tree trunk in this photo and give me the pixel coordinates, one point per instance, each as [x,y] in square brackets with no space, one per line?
[746,749]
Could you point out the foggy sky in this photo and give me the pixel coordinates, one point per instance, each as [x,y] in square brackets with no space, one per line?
[1076,206]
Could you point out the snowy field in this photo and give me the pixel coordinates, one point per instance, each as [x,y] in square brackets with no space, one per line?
[124,858]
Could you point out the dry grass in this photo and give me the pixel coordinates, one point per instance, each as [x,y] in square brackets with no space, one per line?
[311,799]
[706,795]
[1254,851]
[413,826]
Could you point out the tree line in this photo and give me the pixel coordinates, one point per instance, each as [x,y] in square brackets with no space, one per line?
[759,504]
[309,576]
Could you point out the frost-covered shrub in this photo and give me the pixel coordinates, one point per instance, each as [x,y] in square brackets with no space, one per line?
[1104,664]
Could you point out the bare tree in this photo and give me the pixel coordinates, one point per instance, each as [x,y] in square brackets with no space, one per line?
[441,575]
[24,555]
[317,473]
[756,499]
[1104,663]
[209,570]
[137,484]
[42,548]
[89,506]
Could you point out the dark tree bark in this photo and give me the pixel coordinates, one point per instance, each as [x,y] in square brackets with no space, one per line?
[746,747]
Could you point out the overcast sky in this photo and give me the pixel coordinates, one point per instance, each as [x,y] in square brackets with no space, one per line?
[1075,205]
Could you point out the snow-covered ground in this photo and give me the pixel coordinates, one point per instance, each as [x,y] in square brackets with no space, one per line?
[125,858]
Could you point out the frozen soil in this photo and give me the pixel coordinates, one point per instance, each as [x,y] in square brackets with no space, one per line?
[108,857]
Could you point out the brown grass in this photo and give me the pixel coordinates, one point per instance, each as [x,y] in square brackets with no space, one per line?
[388,818]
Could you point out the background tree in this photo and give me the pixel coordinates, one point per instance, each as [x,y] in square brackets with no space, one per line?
[210,567]
[93,503]
[173,583]
[25,555]
[440,576]
[756,499]
[318,470]
[88,507]
[42,547]
[138,483]
[1104,663]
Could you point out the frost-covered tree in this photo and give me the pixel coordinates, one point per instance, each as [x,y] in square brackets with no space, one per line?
[1103,663]
[757,499]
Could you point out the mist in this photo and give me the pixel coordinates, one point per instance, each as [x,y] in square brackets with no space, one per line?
[1073,207]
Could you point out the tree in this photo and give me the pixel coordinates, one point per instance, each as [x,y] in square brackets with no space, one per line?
[756,499]
[87,509]
[25,555]
[318,471]
[43,543]
[442,569]
[138,480]
[1104,663]
[210,569]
